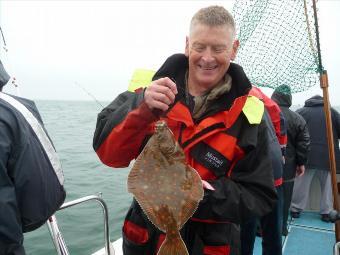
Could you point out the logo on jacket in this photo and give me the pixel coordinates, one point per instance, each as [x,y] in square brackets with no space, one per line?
[209,157]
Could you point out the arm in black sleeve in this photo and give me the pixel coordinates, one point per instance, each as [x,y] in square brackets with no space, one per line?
[11,236]
[122,129]
[114,114]
[249,190]
[302,141]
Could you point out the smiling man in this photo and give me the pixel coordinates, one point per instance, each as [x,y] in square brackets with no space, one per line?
[209,48]
[204,99]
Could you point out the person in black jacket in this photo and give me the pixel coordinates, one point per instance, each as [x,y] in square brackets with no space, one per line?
[270,224]
[297,147]
[30,174]
[318,159]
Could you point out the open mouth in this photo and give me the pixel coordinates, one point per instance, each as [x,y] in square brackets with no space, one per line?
[207,68]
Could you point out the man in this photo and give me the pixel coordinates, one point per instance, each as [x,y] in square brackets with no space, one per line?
[204,99]
[297,147]
[30,174]
[318,159]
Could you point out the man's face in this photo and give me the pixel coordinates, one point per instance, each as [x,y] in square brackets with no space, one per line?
[210,50]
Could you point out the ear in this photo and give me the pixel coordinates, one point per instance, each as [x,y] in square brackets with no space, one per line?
[236,44]
[187,46]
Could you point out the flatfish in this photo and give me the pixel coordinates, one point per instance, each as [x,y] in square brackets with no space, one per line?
[166,187]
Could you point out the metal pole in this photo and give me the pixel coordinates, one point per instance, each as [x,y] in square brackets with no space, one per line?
[57,237]
[108,249]
[327,109]
[336,248]
[332,162]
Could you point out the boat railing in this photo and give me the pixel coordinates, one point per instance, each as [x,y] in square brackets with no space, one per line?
[57,237]
[336,248]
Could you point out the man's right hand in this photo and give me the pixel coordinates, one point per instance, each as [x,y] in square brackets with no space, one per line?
[160,94]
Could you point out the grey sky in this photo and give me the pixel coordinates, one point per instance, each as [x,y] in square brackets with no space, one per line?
[53,44]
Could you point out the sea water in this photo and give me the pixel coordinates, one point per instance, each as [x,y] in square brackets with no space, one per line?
[71,126]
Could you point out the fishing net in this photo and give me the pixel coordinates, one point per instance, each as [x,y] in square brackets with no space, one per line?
[278,43]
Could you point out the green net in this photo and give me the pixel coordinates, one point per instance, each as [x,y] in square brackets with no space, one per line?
[278,43]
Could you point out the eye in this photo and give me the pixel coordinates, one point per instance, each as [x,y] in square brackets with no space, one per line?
[219,49]
[198,47]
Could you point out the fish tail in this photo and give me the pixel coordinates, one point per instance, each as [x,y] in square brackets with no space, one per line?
[173,246]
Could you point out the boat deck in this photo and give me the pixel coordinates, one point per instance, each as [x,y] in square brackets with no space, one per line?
[307,235]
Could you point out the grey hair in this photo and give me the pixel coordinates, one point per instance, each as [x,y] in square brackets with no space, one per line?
[213,16]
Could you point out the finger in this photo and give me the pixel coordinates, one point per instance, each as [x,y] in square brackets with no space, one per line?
[161,97]
[207,185]
[165,91]
[159,105]
[166,81]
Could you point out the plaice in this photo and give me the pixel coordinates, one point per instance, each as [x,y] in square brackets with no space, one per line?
[166,187]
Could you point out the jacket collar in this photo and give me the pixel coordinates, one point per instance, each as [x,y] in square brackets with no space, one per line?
[314,101]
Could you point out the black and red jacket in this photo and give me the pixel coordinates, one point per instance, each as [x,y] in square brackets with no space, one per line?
[277,123]
[226,150]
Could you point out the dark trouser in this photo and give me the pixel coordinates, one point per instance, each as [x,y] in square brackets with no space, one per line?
[271,225]
[211,239]
[287,199]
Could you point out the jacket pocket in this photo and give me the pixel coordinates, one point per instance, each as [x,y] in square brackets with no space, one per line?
[135,233]
[216,250]
[132,248]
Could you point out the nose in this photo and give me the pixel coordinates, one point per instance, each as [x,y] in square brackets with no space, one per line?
[208,55]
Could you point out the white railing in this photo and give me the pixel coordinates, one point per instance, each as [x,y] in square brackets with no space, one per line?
[57,237]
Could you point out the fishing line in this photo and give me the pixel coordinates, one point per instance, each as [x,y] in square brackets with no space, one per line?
[87,92]
[3,39]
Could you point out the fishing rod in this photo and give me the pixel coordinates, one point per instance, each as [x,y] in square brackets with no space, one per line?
[3,39]
[13,79]
[87,92]
[327,109]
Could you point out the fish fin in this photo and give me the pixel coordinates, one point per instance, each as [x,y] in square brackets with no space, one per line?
[195,196]
[173,246]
